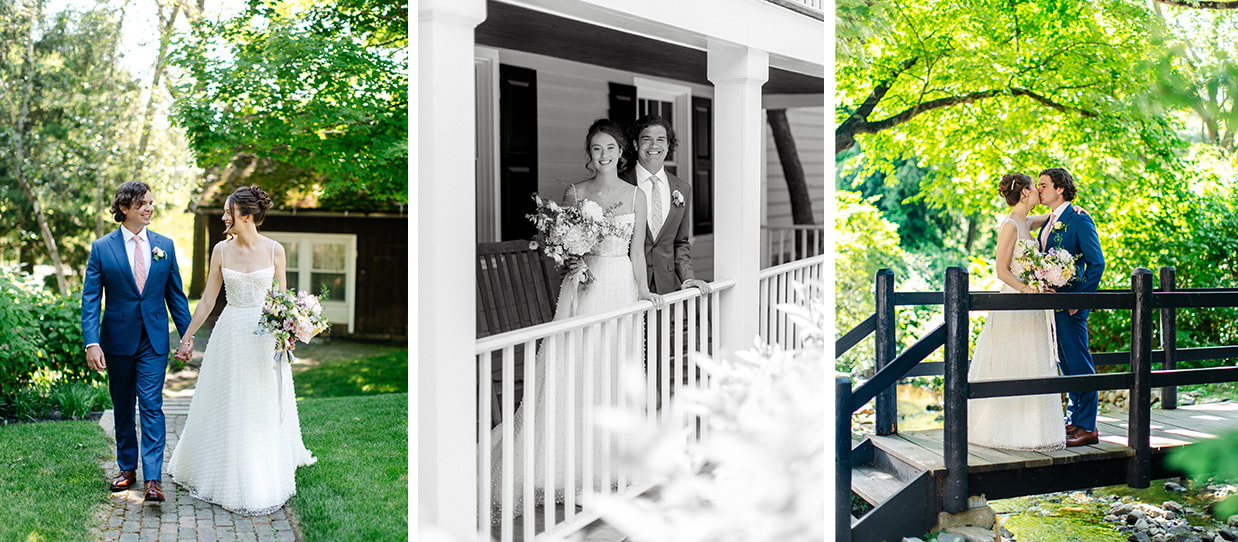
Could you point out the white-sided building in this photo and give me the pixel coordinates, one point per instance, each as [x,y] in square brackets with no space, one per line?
[510,87]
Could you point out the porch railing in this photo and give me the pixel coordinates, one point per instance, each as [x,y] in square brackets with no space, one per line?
[811,8]
[776,286]
[648,364]
[791,243]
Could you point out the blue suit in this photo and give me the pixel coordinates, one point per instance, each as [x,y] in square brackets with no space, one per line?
[133,333]
[1077,234]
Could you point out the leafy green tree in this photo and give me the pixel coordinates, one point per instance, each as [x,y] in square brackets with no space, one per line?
[315,95]
[66,109]
[975,89]
[864,243]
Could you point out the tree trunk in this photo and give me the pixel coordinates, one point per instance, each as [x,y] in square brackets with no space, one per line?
[102,203]
[792,170]
[20,152]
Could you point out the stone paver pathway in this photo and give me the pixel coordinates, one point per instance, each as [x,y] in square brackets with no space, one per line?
[181,517]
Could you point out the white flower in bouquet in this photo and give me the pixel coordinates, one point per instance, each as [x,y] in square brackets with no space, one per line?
[591,210]
[289,317]
[578,241]
[1052,269]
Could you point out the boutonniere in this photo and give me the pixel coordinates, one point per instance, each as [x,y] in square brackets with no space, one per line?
[1059,226]
[677,198]
[158,253]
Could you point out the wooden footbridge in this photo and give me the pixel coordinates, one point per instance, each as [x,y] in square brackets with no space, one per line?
[909,477]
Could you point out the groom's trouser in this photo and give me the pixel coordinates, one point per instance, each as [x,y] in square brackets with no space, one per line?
[142,375]
[1075,359]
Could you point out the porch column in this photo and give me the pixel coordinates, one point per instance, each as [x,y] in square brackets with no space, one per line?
[446,376]
[737,72]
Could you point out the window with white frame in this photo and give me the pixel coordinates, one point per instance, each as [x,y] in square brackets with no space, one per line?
[671,102]
[317,260]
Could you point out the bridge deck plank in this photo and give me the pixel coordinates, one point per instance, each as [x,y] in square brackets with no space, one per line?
[1170,429]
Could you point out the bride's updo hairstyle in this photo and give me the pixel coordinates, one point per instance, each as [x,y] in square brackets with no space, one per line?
[608,127]
[250,201]
[1012,186]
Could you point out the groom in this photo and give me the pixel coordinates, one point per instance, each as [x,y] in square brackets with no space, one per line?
[668,253]
[135,269]
[1076,233]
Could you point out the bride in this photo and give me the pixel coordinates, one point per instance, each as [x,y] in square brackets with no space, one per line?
[618,266]
[1016,344]
[241,444]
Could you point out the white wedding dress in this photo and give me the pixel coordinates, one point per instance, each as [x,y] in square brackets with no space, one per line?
[614,287]
[1016,345]
[241,444]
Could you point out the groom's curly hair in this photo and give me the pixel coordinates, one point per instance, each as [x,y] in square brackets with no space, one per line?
[126,193]
[1061,179]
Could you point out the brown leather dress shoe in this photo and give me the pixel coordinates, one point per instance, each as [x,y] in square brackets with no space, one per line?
[154,491]
[124,481]
[1083,438]
[1070,429]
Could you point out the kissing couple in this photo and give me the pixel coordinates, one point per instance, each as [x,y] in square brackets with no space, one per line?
[1038,343]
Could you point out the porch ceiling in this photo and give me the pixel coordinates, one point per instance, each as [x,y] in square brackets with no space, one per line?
[513,27]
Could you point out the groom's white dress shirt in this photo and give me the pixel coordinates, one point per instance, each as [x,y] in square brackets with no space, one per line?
[1053,218]
[129,244]
[129,248]
[664,186]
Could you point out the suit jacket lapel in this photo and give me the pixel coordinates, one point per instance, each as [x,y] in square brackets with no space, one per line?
[676,212]
[1067,214]
[122,259]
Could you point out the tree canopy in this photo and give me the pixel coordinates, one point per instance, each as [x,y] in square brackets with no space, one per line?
[935,101]
[66,133]
[314,92]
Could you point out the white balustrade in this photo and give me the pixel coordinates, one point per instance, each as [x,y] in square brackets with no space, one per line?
[792,243]
[579,350]
[777,286]
[813,8]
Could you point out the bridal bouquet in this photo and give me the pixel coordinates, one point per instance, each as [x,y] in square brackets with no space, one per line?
[1052,269]
[567,232]
[291,316]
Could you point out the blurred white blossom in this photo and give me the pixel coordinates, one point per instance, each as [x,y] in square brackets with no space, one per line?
[757,474]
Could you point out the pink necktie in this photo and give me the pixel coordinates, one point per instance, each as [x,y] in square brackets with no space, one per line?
[656,211]
[1044,238]
[139,263]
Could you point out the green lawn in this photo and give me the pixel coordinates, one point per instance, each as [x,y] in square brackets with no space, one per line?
[386,372]
[354,417]
[358,490]
[50,482]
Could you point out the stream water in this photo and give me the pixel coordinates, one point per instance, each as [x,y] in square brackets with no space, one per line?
[1063,517]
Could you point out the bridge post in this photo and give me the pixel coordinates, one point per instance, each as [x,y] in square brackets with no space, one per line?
[1169,340]
[1139,434]
[886,415]
[958,303]
[842,459]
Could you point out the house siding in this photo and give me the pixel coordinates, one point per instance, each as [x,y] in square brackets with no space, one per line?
[808,127]
[381,307]
[571,95]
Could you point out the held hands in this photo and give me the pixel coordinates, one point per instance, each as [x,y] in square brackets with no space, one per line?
[95,359]
[185,351]
[698,284]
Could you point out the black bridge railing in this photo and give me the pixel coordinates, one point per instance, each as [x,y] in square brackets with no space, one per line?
[1141,300]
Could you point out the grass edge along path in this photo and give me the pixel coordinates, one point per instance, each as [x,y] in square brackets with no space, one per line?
[50,480]
[358,490]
